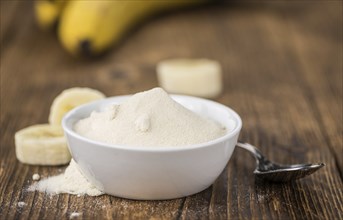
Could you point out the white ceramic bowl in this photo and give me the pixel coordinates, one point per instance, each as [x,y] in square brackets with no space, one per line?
[145,173]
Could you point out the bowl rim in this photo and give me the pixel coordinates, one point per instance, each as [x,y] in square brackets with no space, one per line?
[72,113]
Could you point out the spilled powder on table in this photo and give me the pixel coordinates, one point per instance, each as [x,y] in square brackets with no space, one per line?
[71,181]
[21,204]
[35,177]
[74,215]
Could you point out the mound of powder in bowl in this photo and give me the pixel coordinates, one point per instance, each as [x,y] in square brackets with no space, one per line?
[149,119]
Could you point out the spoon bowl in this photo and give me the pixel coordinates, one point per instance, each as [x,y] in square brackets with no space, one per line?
[267,170]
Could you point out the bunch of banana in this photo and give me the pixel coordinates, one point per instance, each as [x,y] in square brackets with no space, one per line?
[48,12]
[45,144]
[90,27]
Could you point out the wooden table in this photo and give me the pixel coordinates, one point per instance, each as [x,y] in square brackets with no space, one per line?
[282,67]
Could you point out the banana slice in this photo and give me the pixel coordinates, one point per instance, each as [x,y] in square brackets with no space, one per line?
[42,144]
[198,77]
[69,99]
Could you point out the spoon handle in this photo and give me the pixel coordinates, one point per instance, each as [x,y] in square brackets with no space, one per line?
[255,152]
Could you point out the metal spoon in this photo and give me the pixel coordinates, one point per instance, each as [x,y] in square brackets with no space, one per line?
[270,171]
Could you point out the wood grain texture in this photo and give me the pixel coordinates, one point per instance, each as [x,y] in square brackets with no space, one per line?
[282,65]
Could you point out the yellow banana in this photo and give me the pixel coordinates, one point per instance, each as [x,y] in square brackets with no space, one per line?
[48,12]
[90,27]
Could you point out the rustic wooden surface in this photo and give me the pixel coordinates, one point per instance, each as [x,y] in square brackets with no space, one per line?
[283,75]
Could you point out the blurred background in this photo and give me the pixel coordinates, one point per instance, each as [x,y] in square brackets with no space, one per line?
[281,61]
[281,71]
[268,50]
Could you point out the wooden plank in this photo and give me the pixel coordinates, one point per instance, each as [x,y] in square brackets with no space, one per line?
[325,84]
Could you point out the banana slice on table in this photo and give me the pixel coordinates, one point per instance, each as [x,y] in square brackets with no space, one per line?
[69,99]
[198,77]
[42,144]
